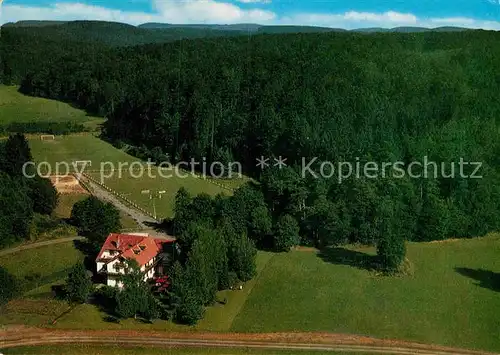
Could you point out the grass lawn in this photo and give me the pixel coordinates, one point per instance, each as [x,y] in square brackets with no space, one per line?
[15,107]
[131,187]
[39,269]
[44,261]
[65,204]
[452,298]
[125,350]
[76,147]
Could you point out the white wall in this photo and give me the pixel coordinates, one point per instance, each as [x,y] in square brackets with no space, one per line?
[110,268]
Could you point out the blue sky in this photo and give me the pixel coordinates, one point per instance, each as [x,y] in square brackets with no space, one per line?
[332,13]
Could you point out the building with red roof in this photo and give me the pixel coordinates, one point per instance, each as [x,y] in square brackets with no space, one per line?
[118,248]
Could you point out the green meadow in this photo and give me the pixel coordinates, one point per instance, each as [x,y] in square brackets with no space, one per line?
[15,107]
[450,296]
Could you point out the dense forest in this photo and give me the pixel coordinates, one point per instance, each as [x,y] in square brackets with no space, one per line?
[24,203]
[336,96]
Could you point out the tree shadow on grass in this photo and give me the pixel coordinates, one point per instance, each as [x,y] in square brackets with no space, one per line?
[486,279]
[90,253]
[342,256]
[166,226]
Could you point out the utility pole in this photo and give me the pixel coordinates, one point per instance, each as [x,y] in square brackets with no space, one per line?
[153,195]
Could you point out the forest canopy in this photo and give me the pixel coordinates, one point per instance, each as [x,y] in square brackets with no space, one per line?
[335,96]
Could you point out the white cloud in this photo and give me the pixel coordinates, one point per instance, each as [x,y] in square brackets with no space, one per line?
[256,1]
[218,11]
[171,11]
[208,11]
[389,19]
[353,19]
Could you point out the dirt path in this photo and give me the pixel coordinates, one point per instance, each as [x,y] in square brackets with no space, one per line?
[38,245]
[102,194]
[142,219]
[24,336]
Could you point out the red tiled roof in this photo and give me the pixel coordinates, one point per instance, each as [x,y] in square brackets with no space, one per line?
[146,248]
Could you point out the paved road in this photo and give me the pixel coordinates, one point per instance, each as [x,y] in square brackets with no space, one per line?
[283,341]
[38,245]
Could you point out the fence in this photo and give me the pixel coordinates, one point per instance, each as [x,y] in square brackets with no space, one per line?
[197,176]
[120,196]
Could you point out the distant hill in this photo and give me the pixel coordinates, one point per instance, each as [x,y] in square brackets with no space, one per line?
[450,29]
[410,29]
[371,30]
[298,29]
[114,33]
[236,27]
[29,23]
[119,34]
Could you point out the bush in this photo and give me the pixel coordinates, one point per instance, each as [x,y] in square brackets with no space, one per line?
[9,288]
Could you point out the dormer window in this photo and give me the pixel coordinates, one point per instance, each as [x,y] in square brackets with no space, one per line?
[142,247]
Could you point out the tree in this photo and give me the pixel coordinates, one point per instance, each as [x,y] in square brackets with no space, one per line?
[44,195]
[241,257]
[327,223]
[135,297]
[433,221]
[391,248]
[185,298]
[16,153]
[9,287]
[284,191]
[182,216]
[286,234]
[260,224]
[16,210]
[95,219]
[78,284]
[249,213]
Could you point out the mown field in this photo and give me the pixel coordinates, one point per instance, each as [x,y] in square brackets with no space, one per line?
[118,170]
[132,187]
[452,297]
[123,350]
[15,107]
